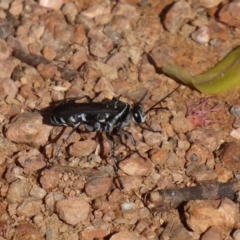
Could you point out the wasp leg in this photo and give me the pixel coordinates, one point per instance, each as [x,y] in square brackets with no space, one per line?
[66,138]
[130,137]
[149,128]
[115,167]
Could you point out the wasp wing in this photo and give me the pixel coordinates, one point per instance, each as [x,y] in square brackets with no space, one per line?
[68,109]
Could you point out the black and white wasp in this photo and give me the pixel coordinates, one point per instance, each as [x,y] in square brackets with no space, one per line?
[104,116]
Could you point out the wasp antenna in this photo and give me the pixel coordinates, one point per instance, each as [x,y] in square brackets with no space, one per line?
[152,107]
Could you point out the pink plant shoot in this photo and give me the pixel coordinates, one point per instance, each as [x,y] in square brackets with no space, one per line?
[199,112]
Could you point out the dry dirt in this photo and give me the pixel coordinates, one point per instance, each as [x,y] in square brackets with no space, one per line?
[106,49]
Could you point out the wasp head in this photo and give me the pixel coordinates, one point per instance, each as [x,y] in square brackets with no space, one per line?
[138,113]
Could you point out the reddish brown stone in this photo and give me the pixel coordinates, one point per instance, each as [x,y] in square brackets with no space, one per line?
[18,191]
[159,156]
[54,4]
[83,148]
[7,88]
[127,235]
[28,128]
[72,210]
[230,156]
[31,161]
[203,214]
[182,124]
[27,231]
[98,187]
[79,35]
[93,234]
[131,182]
[229,14]
[177,15]
[213,232]
[79,58]
[136,166]
[198,153]
[49,53]
[205,3]
[30,207]
[50,179]
[208,137]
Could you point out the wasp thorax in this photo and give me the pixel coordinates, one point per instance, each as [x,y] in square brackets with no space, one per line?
[138,113]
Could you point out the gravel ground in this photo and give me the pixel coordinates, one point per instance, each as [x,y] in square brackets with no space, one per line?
[52,50]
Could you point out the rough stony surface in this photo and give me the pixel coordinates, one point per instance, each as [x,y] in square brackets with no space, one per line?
[228,13]
[223,216]
[72,210]
[174,20]
[28,128]
[103,184]
[53,50]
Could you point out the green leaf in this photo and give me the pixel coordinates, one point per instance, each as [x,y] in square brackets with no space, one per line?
[222,77]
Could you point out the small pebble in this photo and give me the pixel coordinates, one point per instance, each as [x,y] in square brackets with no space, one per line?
[179,13]
[98,187]
[18,191]
[127,206]
[236,234]
[49,53]
[204,214]
[147,72]
[127,235]
[79,58]
[212,233]
[30,207]
[118,60]
[53,4]
[51,199]
[93,234]
[5,4]
[235,111]
[37,192]
[128,11]
[201,173]
[8,88]
[95,11]
[202,35]
[49,180]
[72,210]
[13,173]
[27,231]
[181,124]
[228,14]
[198,153]
[16,8]
[235,133]
[28,128]
[100,44]
[70,11]
[159,156]
[230,156]
[79,34]
[136,166]
[204,3]
[83,148]
[4,49]
[31,160]
[209,138]
[131,182]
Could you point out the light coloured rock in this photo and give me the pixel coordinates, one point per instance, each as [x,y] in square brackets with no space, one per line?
[28,128]
[73,210]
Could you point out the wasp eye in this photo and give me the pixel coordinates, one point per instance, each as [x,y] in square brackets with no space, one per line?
[138,114]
